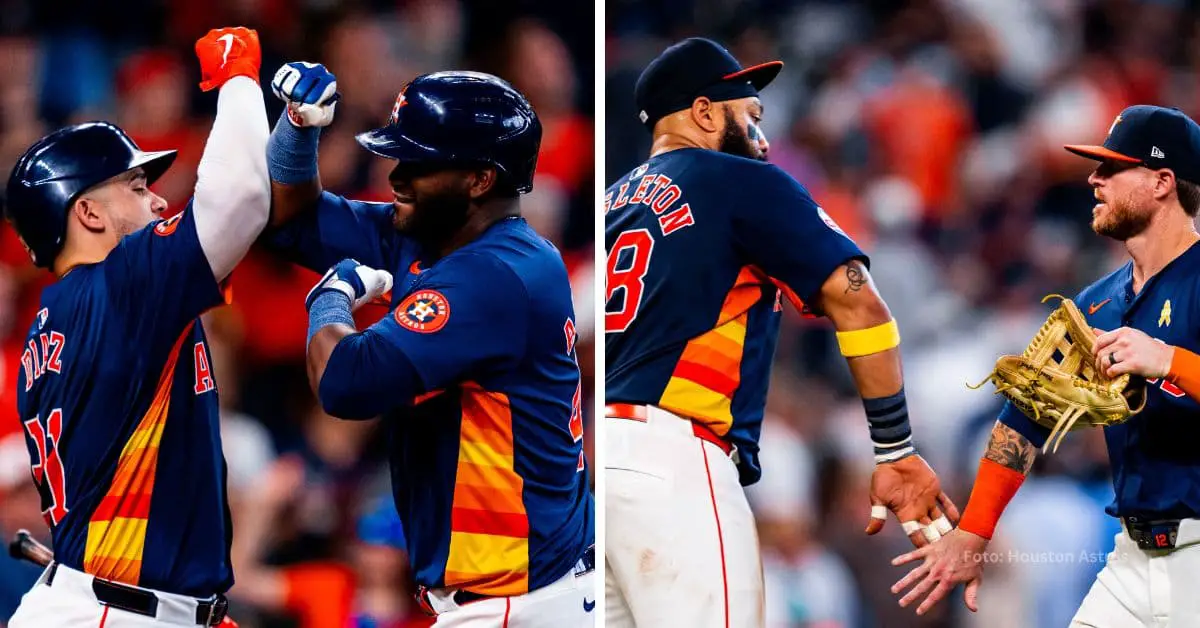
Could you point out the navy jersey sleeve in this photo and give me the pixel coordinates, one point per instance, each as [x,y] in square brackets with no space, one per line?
[337,229]
[468,316]
[159,278]
[778,227]
[1023,425]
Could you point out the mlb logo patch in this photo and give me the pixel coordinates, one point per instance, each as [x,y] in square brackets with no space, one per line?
[829,221]
[424,311]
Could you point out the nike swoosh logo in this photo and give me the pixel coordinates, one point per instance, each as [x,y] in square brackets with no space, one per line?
[588,606]
[228,39]
[1093,308]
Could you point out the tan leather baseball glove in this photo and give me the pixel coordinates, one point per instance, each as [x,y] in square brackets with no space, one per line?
[1056,383]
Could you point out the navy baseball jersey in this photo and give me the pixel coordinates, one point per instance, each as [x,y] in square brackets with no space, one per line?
[119,406]
[1154,459]
[701,245]
[474,369]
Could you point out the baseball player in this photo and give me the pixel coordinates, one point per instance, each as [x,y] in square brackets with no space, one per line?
[116,391]
[474,367]
[1147,189]
[704,240]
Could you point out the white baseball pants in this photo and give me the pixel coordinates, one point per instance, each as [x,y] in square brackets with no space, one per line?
[70,603]
[1146,588]
[681,548]
[568,602]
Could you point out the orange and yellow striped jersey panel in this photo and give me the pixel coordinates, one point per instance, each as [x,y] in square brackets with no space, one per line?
[709,369]
[117,529]
[489,528]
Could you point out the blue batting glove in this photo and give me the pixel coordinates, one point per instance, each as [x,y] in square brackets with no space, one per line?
[358,282]
[310,92]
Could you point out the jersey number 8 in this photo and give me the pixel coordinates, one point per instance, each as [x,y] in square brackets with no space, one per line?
[631,278]
[48,473]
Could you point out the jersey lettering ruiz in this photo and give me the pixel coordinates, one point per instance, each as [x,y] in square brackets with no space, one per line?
[701,245]
[486,448]
[1154,459]
[119,406]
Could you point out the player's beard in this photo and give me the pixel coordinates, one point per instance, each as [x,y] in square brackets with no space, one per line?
[437,217]
[1123,220]
[735,140]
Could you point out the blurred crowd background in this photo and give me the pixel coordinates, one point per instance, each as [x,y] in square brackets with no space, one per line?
[317,541]
[932,131]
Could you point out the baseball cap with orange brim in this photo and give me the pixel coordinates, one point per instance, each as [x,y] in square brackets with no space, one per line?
[693,68]
[1150,136]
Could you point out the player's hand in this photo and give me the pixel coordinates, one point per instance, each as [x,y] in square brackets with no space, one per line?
[956,558]
[228,52]
[909,488]
[310,92]
[228,623]
[360,283]
[1126,350]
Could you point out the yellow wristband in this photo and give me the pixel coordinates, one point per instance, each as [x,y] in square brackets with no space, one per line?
[870,340]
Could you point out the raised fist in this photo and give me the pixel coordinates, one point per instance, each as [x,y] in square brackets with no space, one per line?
[310,92]
[228,52]
[361,283]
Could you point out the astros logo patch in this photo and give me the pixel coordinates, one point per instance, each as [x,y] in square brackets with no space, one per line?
[168,226]
[425,311]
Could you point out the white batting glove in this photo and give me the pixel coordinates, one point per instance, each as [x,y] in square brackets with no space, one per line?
[310,92]
[361,283]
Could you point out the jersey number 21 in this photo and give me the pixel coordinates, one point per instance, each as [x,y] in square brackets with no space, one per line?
[48,473]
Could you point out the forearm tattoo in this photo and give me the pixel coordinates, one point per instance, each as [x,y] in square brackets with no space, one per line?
[855,278]
[1008,448]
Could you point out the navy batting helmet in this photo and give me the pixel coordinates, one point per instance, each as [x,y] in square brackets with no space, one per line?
[56,169]
[462,118]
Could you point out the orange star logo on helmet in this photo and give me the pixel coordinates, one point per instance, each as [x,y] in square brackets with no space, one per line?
[424,311]
[400,102]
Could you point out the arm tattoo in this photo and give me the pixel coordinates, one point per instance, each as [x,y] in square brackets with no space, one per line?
[855,278]
[1008,448]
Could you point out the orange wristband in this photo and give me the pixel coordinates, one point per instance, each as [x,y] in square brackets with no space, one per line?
[995,485]
[1185,372]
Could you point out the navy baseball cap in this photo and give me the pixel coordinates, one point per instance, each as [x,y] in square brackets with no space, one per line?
[1154,137]
[693,68]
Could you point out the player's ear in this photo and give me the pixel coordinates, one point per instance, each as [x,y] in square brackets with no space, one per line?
[86,210]
[1164,182]
[482,181]
[704,114]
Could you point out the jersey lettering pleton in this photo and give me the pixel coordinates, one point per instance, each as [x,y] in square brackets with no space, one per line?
[702,247]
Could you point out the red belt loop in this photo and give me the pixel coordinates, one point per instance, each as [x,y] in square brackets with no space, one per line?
[633,412]
[423,601]
[703,432]
[625,411]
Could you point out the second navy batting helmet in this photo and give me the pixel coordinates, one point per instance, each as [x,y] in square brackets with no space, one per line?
[58,168]
[462,118]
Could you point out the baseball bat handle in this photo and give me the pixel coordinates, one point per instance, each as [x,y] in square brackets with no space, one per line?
[25,547]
